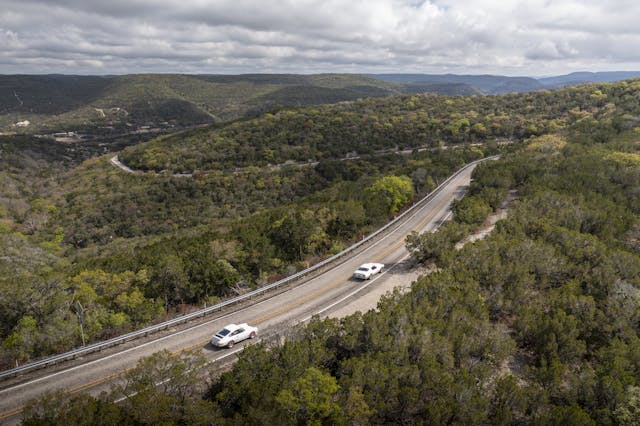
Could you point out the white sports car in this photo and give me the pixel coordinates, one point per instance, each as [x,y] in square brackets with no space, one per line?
[233,333]
[367,270]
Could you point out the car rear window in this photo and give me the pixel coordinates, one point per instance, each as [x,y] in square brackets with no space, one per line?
[363,269]
[223,332]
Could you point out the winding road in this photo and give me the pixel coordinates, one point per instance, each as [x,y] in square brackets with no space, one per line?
[326,294]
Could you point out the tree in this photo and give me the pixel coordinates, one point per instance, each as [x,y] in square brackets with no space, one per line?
[571,415]
[348,217]
[172,375]
[388,194]
[420,177]
[137,307]
[24,339]
[225,277]
[106,302]
[171,280]
[471,210]
[356,407]
[292,234]
[628,411]
[312,399]
[439,245]
[162,388]
[59,409]
[508,401]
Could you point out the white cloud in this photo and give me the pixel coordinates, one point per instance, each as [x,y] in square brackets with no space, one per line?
[233,36]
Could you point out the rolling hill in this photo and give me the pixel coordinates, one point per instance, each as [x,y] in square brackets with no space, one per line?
[90,104]
[485,84]
[536,324]
[587,77]
[105,105]
[498,84]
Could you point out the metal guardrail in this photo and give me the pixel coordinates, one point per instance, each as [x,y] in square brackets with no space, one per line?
[98,346]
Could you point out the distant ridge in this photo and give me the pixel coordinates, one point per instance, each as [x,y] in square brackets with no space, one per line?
[168,102]
[497,84]
[487,84]
[54,103]
[588,77]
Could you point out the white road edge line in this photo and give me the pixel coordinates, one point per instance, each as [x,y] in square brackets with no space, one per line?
[169,379]
[124,351]
[438,224]
[360,288]
[219,318]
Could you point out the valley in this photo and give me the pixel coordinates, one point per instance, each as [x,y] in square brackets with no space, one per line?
[91,251]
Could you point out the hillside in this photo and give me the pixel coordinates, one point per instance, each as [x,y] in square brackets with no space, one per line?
[267,196]
[92,104]
[108,106]
[487,84]
[535,324]
[587,77]
[364,127]
[495,84]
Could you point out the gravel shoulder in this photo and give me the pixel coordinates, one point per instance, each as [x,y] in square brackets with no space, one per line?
[403,275]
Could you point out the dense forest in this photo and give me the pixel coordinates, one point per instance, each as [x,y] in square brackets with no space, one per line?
[371,126]
[359,128]
[107,104]
[114,251]
[104,104]
[538,323]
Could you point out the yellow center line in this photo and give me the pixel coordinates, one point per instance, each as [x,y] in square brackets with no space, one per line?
[341,281]
[11,413]
[258,320]
[299,302]
[98,381]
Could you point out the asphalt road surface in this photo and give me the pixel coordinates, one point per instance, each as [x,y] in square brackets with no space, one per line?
[332,291]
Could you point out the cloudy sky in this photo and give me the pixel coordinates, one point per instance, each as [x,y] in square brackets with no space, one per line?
[509,37]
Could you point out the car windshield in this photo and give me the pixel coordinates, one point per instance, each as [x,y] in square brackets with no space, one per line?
[223,332]
[362,268]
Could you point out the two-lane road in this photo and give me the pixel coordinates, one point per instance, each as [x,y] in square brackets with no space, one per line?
[326,292]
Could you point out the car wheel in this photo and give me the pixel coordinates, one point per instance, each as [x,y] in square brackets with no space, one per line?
[252,335]
[230,344]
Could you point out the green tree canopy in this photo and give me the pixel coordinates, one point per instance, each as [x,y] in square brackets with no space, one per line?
[388,194]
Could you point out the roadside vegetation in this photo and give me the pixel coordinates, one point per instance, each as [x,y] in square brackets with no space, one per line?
[120,250]
[113,251]
[536,324]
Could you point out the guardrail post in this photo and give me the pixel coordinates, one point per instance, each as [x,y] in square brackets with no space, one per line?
[219,306]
